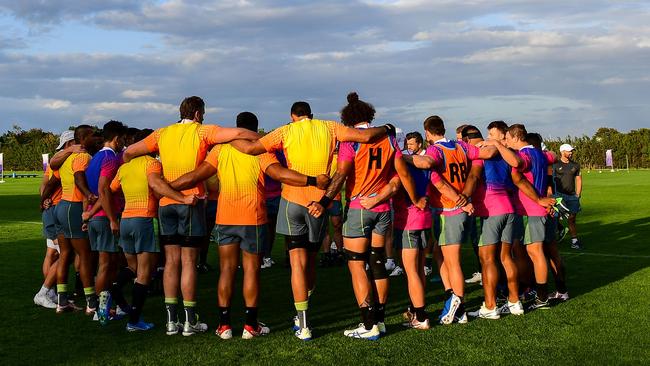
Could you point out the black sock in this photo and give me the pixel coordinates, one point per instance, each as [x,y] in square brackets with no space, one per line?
[251,316]
[420,314]
[224,315]
[461,308]
[124,276]
[380,312]
[428,261]
[78,285]
[139,294]
[411,308]
[448,293]
[367,318]
[542,291]
[560,285]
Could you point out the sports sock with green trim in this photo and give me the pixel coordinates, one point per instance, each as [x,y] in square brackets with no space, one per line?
[301,310]
[91,297]
[62,294]
[139,293]
[190,311]
[171,303]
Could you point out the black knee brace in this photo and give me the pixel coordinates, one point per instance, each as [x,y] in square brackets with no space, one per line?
[354,256]
[378,263]
[297,242]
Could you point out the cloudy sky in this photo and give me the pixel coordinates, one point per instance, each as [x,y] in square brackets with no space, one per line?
[560,67]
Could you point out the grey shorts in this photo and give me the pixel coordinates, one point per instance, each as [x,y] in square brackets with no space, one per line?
[49,223]
[137,235]
[272,206]
[251,238]
[435,225]
[359,223]
[68,220]
[295,220]
[534,229]
[496,229]
[455,229]
[182,225]
[336,209]
[572,202]
[101,236]
[411,239]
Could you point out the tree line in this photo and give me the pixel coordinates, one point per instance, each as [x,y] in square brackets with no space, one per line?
[23,148]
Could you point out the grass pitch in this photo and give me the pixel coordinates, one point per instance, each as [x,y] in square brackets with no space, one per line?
[605,322]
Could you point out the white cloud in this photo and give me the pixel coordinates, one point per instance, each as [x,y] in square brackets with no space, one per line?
[137,94]
[56,104]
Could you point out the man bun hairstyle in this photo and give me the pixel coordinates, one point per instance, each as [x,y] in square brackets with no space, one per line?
[357,111]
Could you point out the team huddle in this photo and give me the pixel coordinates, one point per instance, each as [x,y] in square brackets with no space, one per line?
[121,201]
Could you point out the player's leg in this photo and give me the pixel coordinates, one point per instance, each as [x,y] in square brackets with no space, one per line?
[146,252]
[534,239]
[253,246]
[557,263]
[192,230]
[228,262]
[383,228]
[356,250]
[410,242]
[474,237]
[454,230]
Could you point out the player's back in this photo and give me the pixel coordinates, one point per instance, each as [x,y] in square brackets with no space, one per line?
[241,195]
[182,149]
[454,170]
[308,147]
[139,198]
[373,166]
[74,162]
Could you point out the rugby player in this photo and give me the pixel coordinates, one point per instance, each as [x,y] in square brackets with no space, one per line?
[368,169]
[182,147]
[488,185]
[102,217]
[241,178]
[532,163]
[308,146]
[46,296]
[451,162]
[72,239]
[138,180]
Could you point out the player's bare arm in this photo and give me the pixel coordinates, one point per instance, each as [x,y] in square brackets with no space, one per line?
[473,180]
[60,157]
[293,178]
[511,157]
[162,188]
[133,151]
[523,185]
[384,195]
[409,185]
[191,179]
[249,147]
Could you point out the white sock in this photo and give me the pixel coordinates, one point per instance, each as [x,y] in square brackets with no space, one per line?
[574,240]
[390,260]
[43,290]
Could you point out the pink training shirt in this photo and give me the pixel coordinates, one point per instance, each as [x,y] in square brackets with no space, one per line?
[491,197]
[535,172]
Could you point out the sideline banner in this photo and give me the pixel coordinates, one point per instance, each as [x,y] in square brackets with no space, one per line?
[46,161]
[608,158]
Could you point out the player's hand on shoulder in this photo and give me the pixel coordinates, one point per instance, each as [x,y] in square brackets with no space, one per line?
[76,149]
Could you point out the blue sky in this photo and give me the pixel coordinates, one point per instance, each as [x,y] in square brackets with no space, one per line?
[559,67]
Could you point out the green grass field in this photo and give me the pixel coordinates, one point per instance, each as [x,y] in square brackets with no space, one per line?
[606,321]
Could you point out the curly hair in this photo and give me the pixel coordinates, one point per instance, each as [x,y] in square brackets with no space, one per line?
[357,111]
